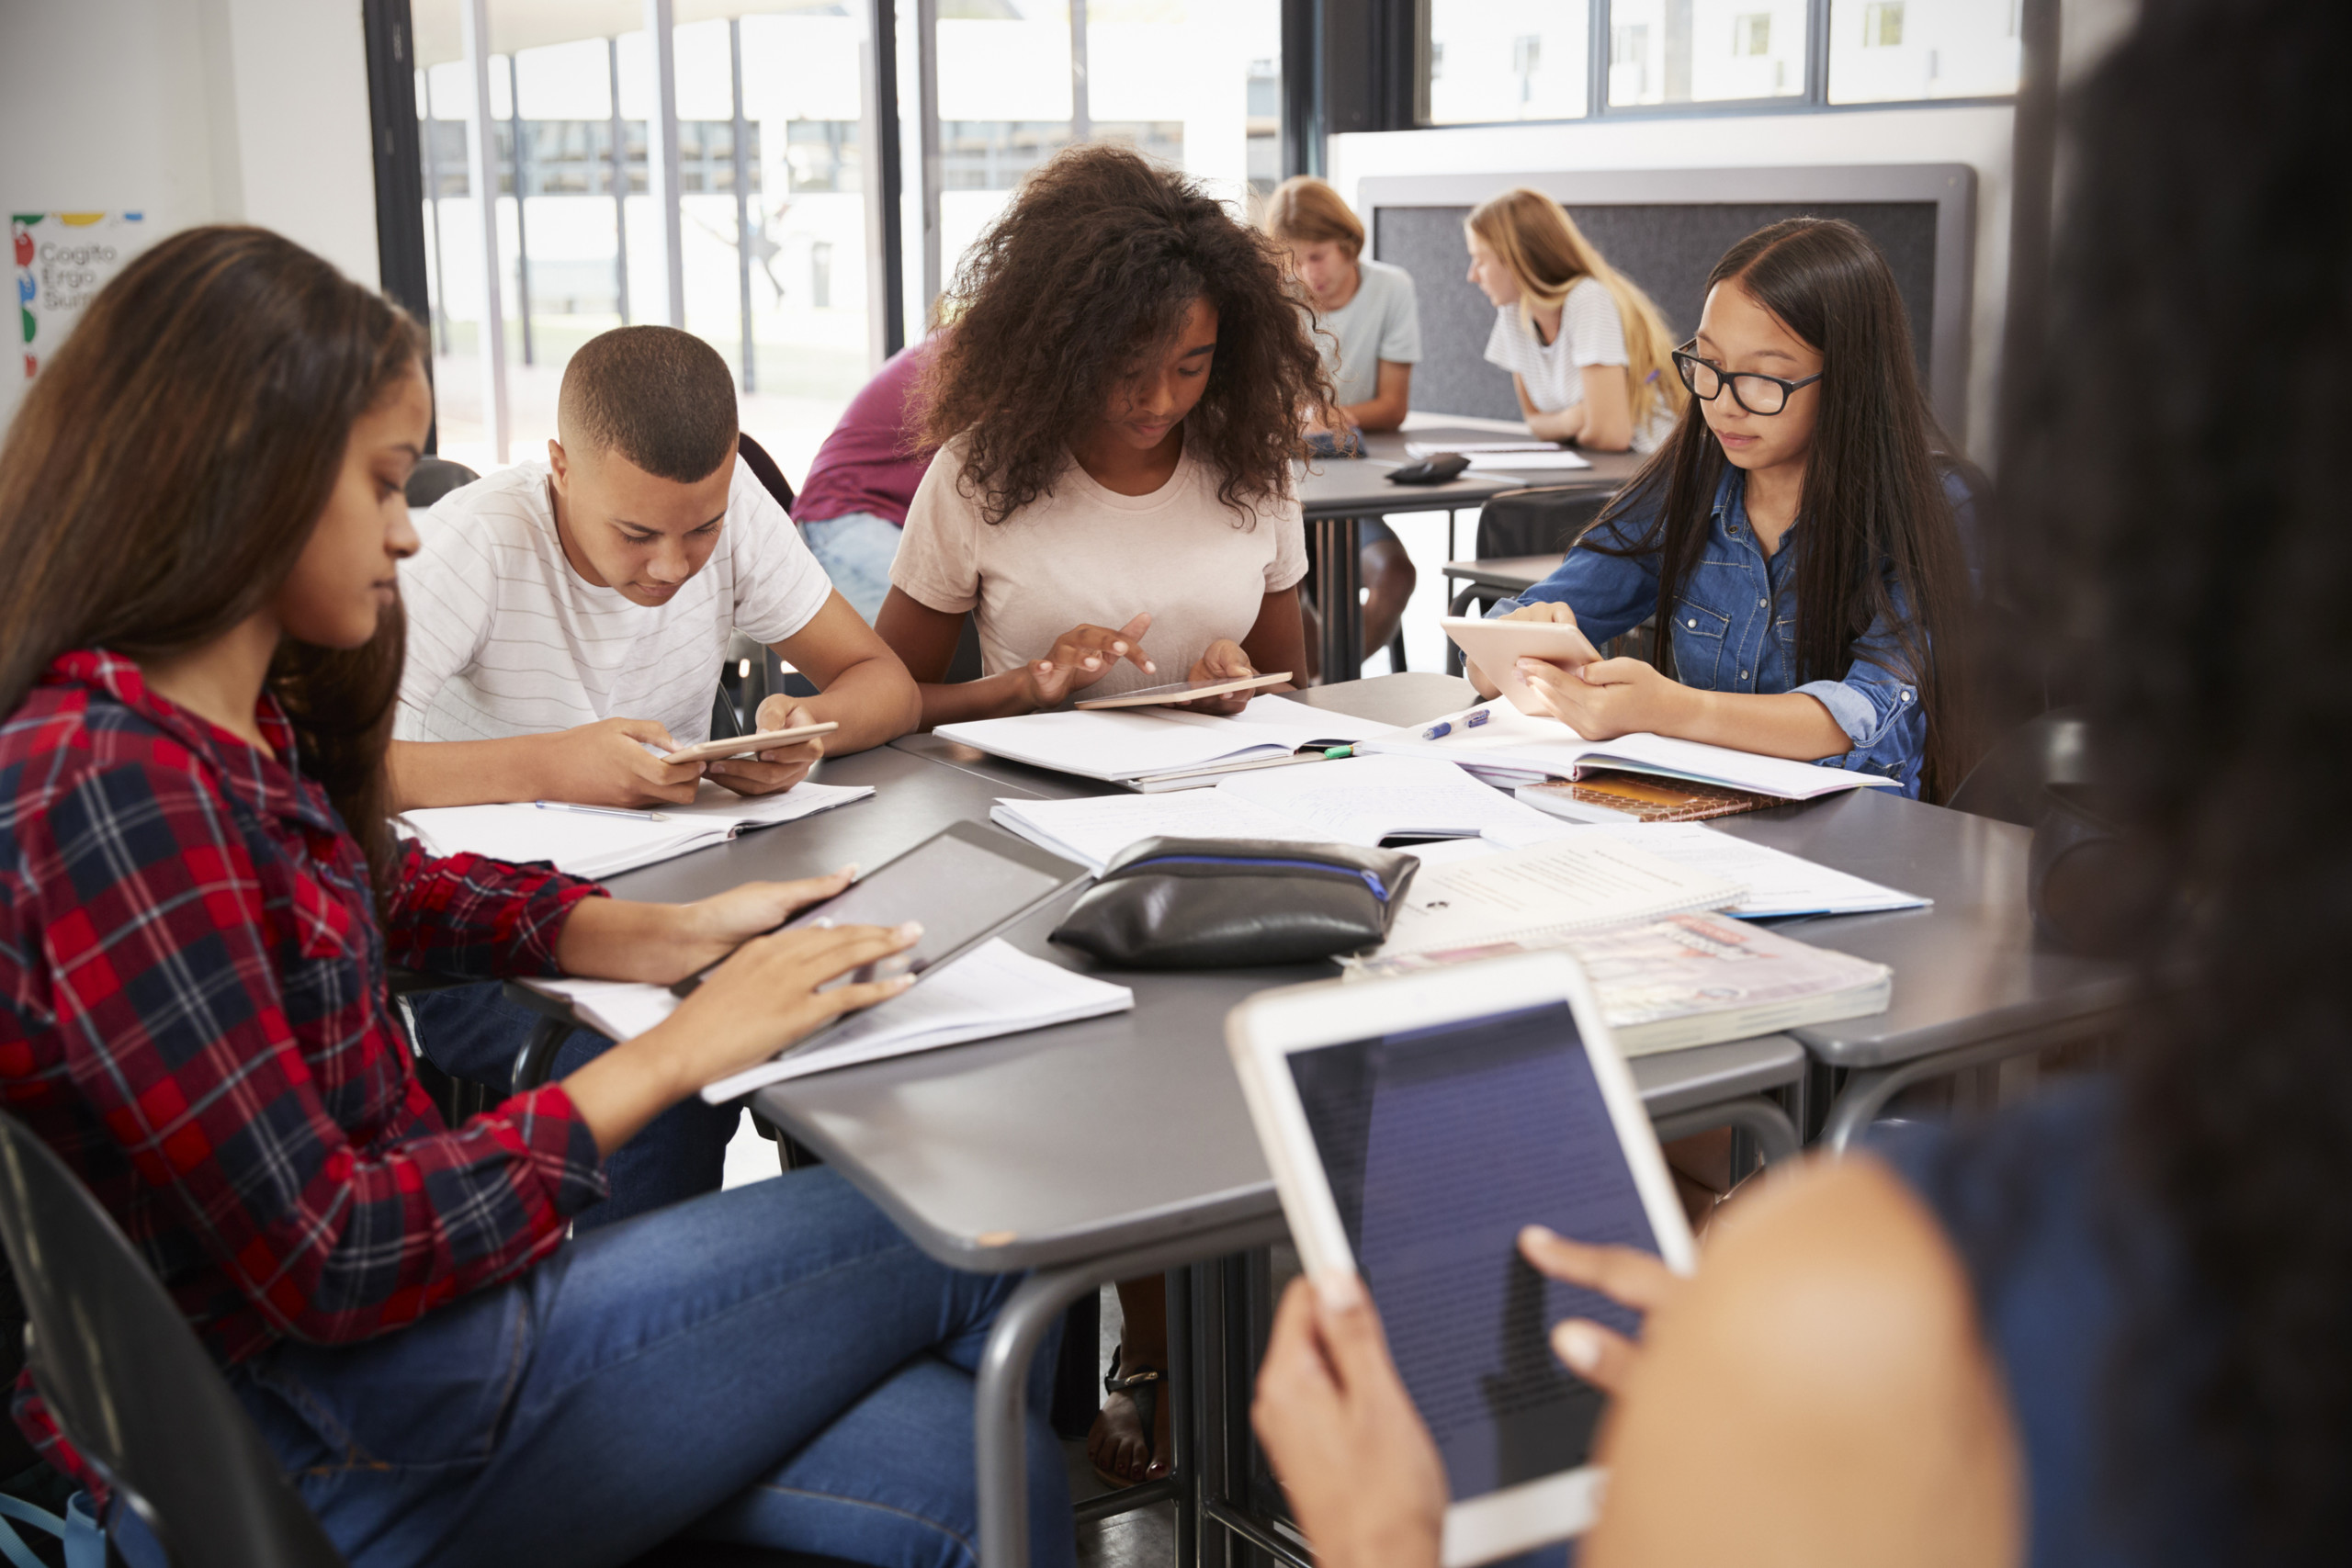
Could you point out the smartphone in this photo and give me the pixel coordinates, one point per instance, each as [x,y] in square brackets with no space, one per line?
[744,745]
[1183,692]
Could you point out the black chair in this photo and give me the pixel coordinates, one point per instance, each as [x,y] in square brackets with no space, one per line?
[2010,782]
[434,477]
[130,1387]
[1540,519]
[765,467]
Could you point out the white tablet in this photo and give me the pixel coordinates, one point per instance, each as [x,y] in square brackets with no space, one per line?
[746,745]
[1183,692]
[1414,1126]
[1497,646]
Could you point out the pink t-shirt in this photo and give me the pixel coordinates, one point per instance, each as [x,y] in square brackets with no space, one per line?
[864,465]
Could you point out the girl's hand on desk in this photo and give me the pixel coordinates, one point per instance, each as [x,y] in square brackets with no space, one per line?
[1362,1477]
[1614,697]
[1603,1357]
[1082,656]
[1224,660]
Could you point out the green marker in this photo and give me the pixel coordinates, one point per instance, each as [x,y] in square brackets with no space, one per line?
[1333,753]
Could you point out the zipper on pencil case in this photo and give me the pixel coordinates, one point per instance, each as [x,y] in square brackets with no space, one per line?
[1371,879]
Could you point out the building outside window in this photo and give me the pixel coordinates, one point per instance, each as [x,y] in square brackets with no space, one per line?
[1492,60]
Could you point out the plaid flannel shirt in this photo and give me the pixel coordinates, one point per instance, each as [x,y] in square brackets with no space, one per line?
[193,1014]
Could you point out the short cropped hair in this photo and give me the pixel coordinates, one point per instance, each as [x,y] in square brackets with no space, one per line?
[1305,211]
[661,398]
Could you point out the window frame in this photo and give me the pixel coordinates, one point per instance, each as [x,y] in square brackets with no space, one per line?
[1814,99]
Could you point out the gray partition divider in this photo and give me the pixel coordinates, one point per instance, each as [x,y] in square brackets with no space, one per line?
[1665,228]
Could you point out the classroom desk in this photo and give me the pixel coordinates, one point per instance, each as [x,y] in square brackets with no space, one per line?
[1022,1152]
[1336,493]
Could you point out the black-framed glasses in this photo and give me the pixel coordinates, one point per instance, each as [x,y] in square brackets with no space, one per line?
[1751,389]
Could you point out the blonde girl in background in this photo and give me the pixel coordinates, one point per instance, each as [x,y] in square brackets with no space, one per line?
[1589,354]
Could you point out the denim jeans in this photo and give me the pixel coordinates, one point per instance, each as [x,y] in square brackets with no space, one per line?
[855,549]
[775,1365]
[474,1033]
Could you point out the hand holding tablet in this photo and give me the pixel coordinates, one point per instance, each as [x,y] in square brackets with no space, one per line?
[746,745]
[1495,647]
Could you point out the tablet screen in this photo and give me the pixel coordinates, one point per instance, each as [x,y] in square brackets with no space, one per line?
[1438,1145]
[958,889]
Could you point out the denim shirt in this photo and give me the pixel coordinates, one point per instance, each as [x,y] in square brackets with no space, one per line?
[1735,630]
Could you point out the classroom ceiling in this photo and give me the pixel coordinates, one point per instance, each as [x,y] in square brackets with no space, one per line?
[531,24]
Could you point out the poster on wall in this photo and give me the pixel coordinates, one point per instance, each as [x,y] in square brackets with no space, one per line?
[63,260]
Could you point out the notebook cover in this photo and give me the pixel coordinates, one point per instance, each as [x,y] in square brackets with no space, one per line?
[1645,798]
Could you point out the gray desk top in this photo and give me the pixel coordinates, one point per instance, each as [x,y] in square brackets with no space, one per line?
[1063,1143]
[1348,486]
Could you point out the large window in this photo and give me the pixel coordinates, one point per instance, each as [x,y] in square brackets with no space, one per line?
[1488,60]
[761,190]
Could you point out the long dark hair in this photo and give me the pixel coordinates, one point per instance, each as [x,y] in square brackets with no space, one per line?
[167,467]
[1095,262]
[2179,496]
[1873,505]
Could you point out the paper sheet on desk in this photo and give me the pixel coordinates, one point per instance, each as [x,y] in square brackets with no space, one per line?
[1127,743]
[994,989]
[1778,883]
[1362,800]
[605,843]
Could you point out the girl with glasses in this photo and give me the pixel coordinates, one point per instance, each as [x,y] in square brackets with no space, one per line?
[1795,538]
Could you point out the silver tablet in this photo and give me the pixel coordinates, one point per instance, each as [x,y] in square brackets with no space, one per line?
[1414,1126]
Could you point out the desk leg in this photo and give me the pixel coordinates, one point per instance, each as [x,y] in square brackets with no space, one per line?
[999,1401]
[1775,1135]
[1868,1090]
[1339,596]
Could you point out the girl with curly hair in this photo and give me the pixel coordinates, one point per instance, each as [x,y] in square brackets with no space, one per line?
[1116,407]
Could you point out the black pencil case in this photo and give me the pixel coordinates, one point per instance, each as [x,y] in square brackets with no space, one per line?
[1230,903]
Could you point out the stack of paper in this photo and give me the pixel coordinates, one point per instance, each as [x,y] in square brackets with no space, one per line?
[1510,748]
[1778,883]
[994,989]
[1145,748]
[1355,801]
[600,841]
[1696,979]
[1542,896]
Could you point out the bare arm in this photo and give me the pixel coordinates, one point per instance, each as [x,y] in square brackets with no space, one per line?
[1608,410]
[1564,426]
[1625,696]
[865,688]
[604,763]
[925,639]
[1390,401]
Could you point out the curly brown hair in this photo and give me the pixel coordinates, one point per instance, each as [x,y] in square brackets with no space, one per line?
[1095,262]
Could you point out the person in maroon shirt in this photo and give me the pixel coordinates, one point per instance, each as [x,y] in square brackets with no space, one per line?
[201,504]
[864,479]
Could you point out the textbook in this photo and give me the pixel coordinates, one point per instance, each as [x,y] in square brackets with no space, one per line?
[1362,800]
[598,841]
[1141,746]
[1696,979]
[1509,748]
[1608,794]
[994,989]
[1540,896]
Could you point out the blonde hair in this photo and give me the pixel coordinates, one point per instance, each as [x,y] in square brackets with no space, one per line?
[1548,254]
[1303,209]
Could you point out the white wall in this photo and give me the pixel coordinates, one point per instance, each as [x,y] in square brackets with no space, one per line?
[1978,137]
[192,111]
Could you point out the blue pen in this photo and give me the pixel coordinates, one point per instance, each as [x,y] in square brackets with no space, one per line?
[1470,720]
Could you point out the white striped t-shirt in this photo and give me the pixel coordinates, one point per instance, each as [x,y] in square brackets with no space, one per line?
[504,638]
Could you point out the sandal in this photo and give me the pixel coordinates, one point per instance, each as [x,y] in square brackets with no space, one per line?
[1142,1389]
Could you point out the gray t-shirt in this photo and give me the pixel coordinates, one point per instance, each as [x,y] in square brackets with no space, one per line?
[1382,321]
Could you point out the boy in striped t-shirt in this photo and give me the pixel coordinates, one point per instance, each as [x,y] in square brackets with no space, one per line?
[566,618]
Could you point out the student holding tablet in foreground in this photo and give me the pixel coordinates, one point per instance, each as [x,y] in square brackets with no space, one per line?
[2104,1327]
[1117,410]
[1798,500]
[567,622]
[199,651]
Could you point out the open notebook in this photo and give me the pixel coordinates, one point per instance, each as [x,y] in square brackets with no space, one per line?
[1141,747]
[1509,747]
[597,842]
[1541,895]
[1358,800]
[994,989]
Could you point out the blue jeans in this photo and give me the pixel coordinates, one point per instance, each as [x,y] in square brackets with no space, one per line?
[855,549]
[775,1365]
[474,1033]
